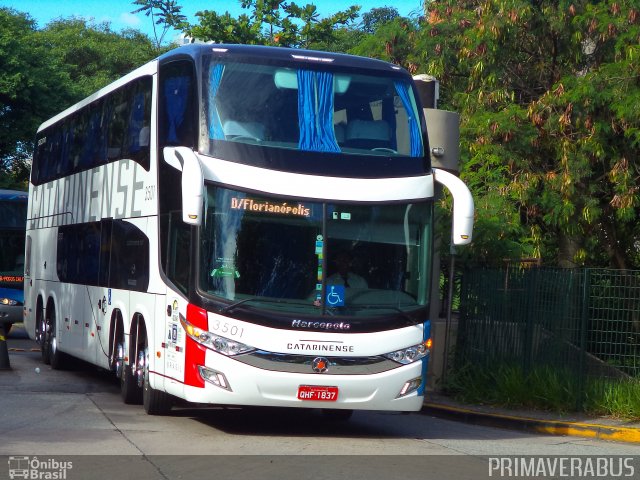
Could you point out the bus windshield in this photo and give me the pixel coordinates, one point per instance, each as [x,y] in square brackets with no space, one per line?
[296,107]
[315,258]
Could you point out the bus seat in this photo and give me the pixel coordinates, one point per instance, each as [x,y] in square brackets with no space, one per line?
[368,134]
[233,129]
[340,131]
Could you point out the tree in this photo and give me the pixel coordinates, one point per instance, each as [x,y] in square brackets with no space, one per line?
[46,71]
[164,13]
[377,17]
[272,22]
[393,41]
[548,94]
[29,92]
[94,55]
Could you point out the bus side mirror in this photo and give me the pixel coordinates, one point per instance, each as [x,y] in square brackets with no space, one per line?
[186,160]
[462,206]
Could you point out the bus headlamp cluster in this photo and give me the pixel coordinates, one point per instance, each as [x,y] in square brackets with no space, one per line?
[411,354]
[8,301]
[214,342]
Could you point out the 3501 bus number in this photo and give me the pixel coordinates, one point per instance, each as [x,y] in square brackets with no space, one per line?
[226,328]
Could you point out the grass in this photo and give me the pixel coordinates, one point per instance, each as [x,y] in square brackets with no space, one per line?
[544,388]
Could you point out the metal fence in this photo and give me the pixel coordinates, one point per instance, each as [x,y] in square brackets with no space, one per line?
[582,321]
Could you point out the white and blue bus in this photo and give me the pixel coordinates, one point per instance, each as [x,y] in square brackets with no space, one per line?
[13,217]
[241,225]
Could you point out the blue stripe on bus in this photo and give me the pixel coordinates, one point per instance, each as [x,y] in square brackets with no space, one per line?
[426,333]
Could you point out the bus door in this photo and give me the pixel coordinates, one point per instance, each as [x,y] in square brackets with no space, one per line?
[75,267]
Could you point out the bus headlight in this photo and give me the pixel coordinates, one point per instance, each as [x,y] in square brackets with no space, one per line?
[411,354]
[8,301]
[214,342]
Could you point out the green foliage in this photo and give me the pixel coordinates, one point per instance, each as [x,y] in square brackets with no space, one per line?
[618,399]
[93,55]
[544,388]
[164,13]
[273,22]
[377,17]
[45,71]
[393,41]
[546,94]
[29,91]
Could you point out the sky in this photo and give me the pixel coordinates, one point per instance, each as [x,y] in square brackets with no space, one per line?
[118,12]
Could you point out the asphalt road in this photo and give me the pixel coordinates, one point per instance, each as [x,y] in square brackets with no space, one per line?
[78,414]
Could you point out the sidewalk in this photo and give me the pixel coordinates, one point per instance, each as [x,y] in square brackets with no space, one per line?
[571,424]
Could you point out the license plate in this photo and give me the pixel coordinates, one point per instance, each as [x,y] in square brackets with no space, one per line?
[317,393]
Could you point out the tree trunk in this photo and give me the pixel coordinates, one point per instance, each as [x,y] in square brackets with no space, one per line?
[568,246]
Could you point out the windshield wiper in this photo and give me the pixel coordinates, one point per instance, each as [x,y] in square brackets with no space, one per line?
[404,315]
[233,305]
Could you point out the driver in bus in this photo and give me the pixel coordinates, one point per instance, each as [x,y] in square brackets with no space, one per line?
[344,275]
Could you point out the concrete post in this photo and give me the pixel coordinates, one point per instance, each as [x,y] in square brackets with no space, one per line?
[4,352]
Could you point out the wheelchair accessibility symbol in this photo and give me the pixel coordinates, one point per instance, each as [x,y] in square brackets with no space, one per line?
[335,295]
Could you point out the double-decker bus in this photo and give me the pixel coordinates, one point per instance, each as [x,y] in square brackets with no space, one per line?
[13,217]
[241,225]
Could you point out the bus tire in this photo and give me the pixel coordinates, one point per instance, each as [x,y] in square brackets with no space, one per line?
[129,390]
[56,357]
[41,331]
[155,402]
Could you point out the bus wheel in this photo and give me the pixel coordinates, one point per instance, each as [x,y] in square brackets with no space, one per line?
[337,415]
[155,402]
[129,390]
[41,332]
[56,357]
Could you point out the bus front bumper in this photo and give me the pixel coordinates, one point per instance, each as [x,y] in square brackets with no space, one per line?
[248,385]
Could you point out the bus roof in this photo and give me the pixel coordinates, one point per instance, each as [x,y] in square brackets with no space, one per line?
[312,57]
[195,51]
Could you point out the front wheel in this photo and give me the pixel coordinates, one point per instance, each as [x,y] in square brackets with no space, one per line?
[155,402]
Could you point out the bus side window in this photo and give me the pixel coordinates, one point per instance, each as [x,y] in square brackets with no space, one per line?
[129,260]
[177,125]
[177,261]
[27,265]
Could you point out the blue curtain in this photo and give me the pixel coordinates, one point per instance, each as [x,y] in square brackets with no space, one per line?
[389,116]
[315,112]
[415,136]
[175,91]
[90,140]
[215,125]
[136,122]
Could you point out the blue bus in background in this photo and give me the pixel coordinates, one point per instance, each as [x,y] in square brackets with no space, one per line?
[13,221]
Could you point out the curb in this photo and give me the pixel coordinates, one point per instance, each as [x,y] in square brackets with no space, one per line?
[552,427]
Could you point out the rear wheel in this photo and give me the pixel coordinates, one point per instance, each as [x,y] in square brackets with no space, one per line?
[55,356]
[155,402]
[41,332]
[129,390]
